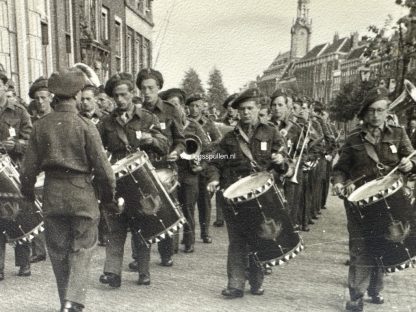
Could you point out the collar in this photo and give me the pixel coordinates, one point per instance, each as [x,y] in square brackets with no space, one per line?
[159,105]
[384,127]
[66,106]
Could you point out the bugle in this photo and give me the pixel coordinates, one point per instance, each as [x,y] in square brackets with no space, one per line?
[294,178]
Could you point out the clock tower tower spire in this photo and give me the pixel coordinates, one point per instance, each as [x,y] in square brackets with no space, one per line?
[301,31]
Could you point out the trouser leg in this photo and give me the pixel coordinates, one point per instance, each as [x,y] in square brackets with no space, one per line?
[116,238]
[376,281]
[38,245]
[237,257]
[165,248]
[102,229]
[256,273]
[306,199]
[204,207]
[58,242]
[143,258]
[218,206]
[2,251]
[84,241]
[188,194]
[22,255]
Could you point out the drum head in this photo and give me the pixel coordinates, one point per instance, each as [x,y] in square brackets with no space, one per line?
[252,185]
[385,186]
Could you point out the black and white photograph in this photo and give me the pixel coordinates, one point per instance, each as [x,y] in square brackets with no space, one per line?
[207,155]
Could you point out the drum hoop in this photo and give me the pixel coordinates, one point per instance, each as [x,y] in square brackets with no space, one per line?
[168,232]
[401,266]
[255,193]
[28,237]
[379,196]
[130,166]
[288,256]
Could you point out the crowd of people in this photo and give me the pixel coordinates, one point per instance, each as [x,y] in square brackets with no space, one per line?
[74,129]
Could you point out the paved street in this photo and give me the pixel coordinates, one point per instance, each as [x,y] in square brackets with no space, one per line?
[314,281]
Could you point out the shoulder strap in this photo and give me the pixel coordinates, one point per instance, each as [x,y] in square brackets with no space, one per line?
[245,149]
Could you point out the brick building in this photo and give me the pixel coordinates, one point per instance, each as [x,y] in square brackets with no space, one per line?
[38,37]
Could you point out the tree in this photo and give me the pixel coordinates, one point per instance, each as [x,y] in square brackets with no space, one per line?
[217,93]
[191,84]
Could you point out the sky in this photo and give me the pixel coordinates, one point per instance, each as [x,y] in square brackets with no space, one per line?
[242,37]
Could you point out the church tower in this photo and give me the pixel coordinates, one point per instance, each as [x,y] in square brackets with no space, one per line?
[301,31]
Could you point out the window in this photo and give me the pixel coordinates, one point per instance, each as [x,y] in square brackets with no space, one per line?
[44,33]
[129,51]
[93,18]
[118,43]
[68,32]
[104,24]
[138,52]
[145,53]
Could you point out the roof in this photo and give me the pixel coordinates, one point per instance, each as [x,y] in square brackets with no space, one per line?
[316,50]
[356,53]
[340,45]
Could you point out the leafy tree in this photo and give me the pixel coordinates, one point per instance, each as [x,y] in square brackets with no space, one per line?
[191,84]
[217,93]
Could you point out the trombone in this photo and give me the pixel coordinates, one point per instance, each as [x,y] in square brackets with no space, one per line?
[294,178]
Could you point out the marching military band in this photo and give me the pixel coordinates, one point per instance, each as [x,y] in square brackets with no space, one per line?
[112,166]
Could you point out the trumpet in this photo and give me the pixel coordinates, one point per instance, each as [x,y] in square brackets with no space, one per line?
[294,178]
[406,98]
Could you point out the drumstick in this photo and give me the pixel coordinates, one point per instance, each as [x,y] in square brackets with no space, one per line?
[353,181]
[397,167]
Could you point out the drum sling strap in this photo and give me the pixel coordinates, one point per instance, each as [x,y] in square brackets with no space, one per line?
[245,149]
[371,152]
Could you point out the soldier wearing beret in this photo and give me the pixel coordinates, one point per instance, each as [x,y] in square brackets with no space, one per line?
[231,118]
[88,105]
[67,147]
[15,129]
[266,146]
[123,132]
[195,103]
[39,92]
[176,97]
[150,82]
[103,101]
[372,149]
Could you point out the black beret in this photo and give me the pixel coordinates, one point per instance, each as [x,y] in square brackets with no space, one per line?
[148,73]
[38,84]
[118,79]
[229,100]
[170,93]
[276,94]
[67,83]
[249,94]
[193,98]
[319,106]
[374,95]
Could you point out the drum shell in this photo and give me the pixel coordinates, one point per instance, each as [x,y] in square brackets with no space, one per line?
[133,188]
[375,220]
[27,219]
[250,220]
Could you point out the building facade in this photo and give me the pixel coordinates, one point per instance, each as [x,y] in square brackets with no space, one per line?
[38,37]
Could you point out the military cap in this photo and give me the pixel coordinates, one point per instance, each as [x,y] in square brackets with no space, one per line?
[264,101]
[116,80]
[11,85]
[229,100]
[174,92]
[319,106]
[289,93]
[277,94]
[3,77]
[67,83]
[149,73]
[39,84]
[193,98]
[374,95]
[249,94]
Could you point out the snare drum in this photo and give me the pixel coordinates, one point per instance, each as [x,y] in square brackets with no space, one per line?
[153,212]
[20,220]
[258,207]
[388,221]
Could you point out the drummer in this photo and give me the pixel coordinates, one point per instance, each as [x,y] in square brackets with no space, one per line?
[372,149]
[254,143]
[125,130]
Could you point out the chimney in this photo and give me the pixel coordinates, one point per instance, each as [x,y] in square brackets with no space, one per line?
[336,37]
[354,40]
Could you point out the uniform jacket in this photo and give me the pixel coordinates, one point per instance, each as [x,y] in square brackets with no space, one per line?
[231,164]
[112,128]
[354,161]
[66,145]
[412,136]
[15,122]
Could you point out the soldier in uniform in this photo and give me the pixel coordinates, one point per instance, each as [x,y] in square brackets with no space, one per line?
[371,145]
[411,130]
[196,104]
[15,128]
[39,92]
[68,148]
[88,106]
[104,101]
[124,131]
[150,82]
[231,118]
[265,145]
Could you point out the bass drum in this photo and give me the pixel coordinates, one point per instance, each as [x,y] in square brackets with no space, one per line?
[388,221]
[20,220]
[154,214]
[258,205]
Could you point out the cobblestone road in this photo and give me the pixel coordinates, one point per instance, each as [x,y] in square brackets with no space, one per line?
[313,281]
